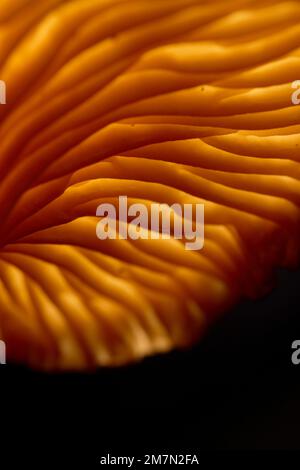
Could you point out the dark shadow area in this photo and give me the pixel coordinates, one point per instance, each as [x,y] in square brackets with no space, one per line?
[237,389]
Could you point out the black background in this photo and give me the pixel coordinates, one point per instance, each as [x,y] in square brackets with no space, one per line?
[236,390]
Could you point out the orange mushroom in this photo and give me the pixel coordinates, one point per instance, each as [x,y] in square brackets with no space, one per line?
[164,101]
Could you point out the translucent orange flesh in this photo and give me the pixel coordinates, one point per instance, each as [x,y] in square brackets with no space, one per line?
[169,101]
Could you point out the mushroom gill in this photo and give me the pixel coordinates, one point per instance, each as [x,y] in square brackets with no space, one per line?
[164,101]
